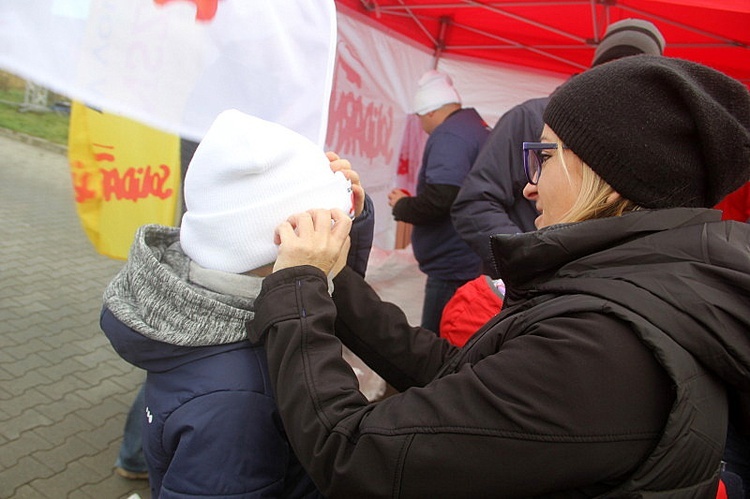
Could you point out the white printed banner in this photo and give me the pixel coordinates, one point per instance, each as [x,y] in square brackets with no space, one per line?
[374,80]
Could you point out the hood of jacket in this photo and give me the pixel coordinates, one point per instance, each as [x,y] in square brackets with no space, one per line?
[164,304]
[683,269]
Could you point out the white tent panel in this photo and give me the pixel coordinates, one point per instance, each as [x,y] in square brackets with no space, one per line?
[376,75]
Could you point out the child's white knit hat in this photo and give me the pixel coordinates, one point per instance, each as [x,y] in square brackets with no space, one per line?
[246,177]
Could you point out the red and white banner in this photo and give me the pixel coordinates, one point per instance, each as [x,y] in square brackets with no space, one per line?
[371,121]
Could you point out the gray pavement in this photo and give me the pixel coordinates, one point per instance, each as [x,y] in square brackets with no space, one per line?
[64,393]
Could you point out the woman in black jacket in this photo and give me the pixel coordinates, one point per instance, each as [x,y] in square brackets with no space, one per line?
[622,349]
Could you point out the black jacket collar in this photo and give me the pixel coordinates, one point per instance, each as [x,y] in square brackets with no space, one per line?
[523,260]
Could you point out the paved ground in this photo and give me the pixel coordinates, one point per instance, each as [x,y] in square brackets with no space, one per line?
[64,393]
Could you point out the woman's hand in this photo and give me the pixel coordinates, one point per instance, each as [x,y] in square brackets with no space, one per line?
[341,262]
[345,167]
[315,237]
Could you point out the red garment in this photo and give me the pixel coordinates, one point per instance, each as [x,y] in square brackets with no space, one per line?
[721,492]
[736,206]
[470,308]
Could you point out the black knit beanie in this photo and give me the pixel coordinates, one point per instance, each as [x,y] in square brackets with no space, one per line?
[662,132]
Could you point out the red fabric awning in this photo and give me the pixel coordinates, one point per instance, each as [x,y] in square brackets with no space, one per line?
[560,36]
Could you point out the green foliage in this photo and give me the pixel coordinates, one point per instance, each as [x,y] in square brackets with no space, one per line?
[51,126]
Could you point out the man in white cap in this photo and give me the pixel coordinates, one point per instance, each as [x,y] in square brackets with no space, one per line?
[456,136]
[491,199]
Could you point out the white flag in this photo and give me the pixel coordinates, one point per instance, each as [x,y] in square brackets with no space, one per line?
[175,64]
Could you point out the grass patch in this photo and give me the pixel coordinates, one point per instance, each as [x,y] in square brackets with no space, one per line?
[51,126]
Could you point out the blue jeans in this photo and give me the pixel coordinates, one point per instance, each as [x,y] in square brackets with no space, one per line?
[131,449]
[437,292]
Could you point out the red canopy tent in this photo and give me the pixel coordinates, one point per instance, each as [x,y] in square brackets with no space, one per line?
[560,35]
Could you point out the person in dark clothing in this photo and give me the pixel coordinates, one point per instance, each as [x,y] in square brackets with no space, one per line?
[178,309]
[456,136]
[622,349]
[491,198]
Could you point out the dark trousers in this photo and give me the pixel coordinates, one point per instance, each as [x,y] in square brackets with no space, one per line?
[737,457]
[437,292]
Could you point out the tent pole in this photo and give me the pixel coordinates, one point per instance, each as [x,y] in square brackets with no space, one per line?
[600,20]
[595,22]
[440,42]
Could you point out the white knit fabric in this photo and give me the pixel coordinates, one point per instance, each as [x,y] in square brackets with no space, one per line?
[246,177]
[435,90]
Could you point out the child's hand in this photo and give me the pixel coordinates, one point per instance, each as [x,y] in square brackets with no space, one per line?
[345,167]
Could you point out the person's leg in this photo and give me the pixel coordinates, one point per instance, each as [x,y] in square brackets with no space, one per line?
[437,293]
[737,456]
[130,461]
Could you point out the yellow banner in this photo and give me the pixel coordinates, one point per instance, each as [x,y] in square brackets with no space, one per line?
[125,175]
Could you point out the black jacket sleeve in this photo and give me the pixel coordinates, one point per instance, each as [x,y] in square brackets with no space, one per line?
[430,206]
[500,423]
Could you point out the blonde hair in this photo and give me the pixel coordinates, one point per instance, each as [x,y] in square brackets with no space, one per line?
[592,201]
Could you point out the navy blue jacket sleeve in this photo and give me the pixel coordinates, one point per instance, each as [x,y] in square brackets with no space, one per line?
[361,235]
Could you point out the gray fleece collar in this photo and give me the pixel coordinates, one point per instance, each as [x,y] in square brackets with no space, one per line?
[165,296]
